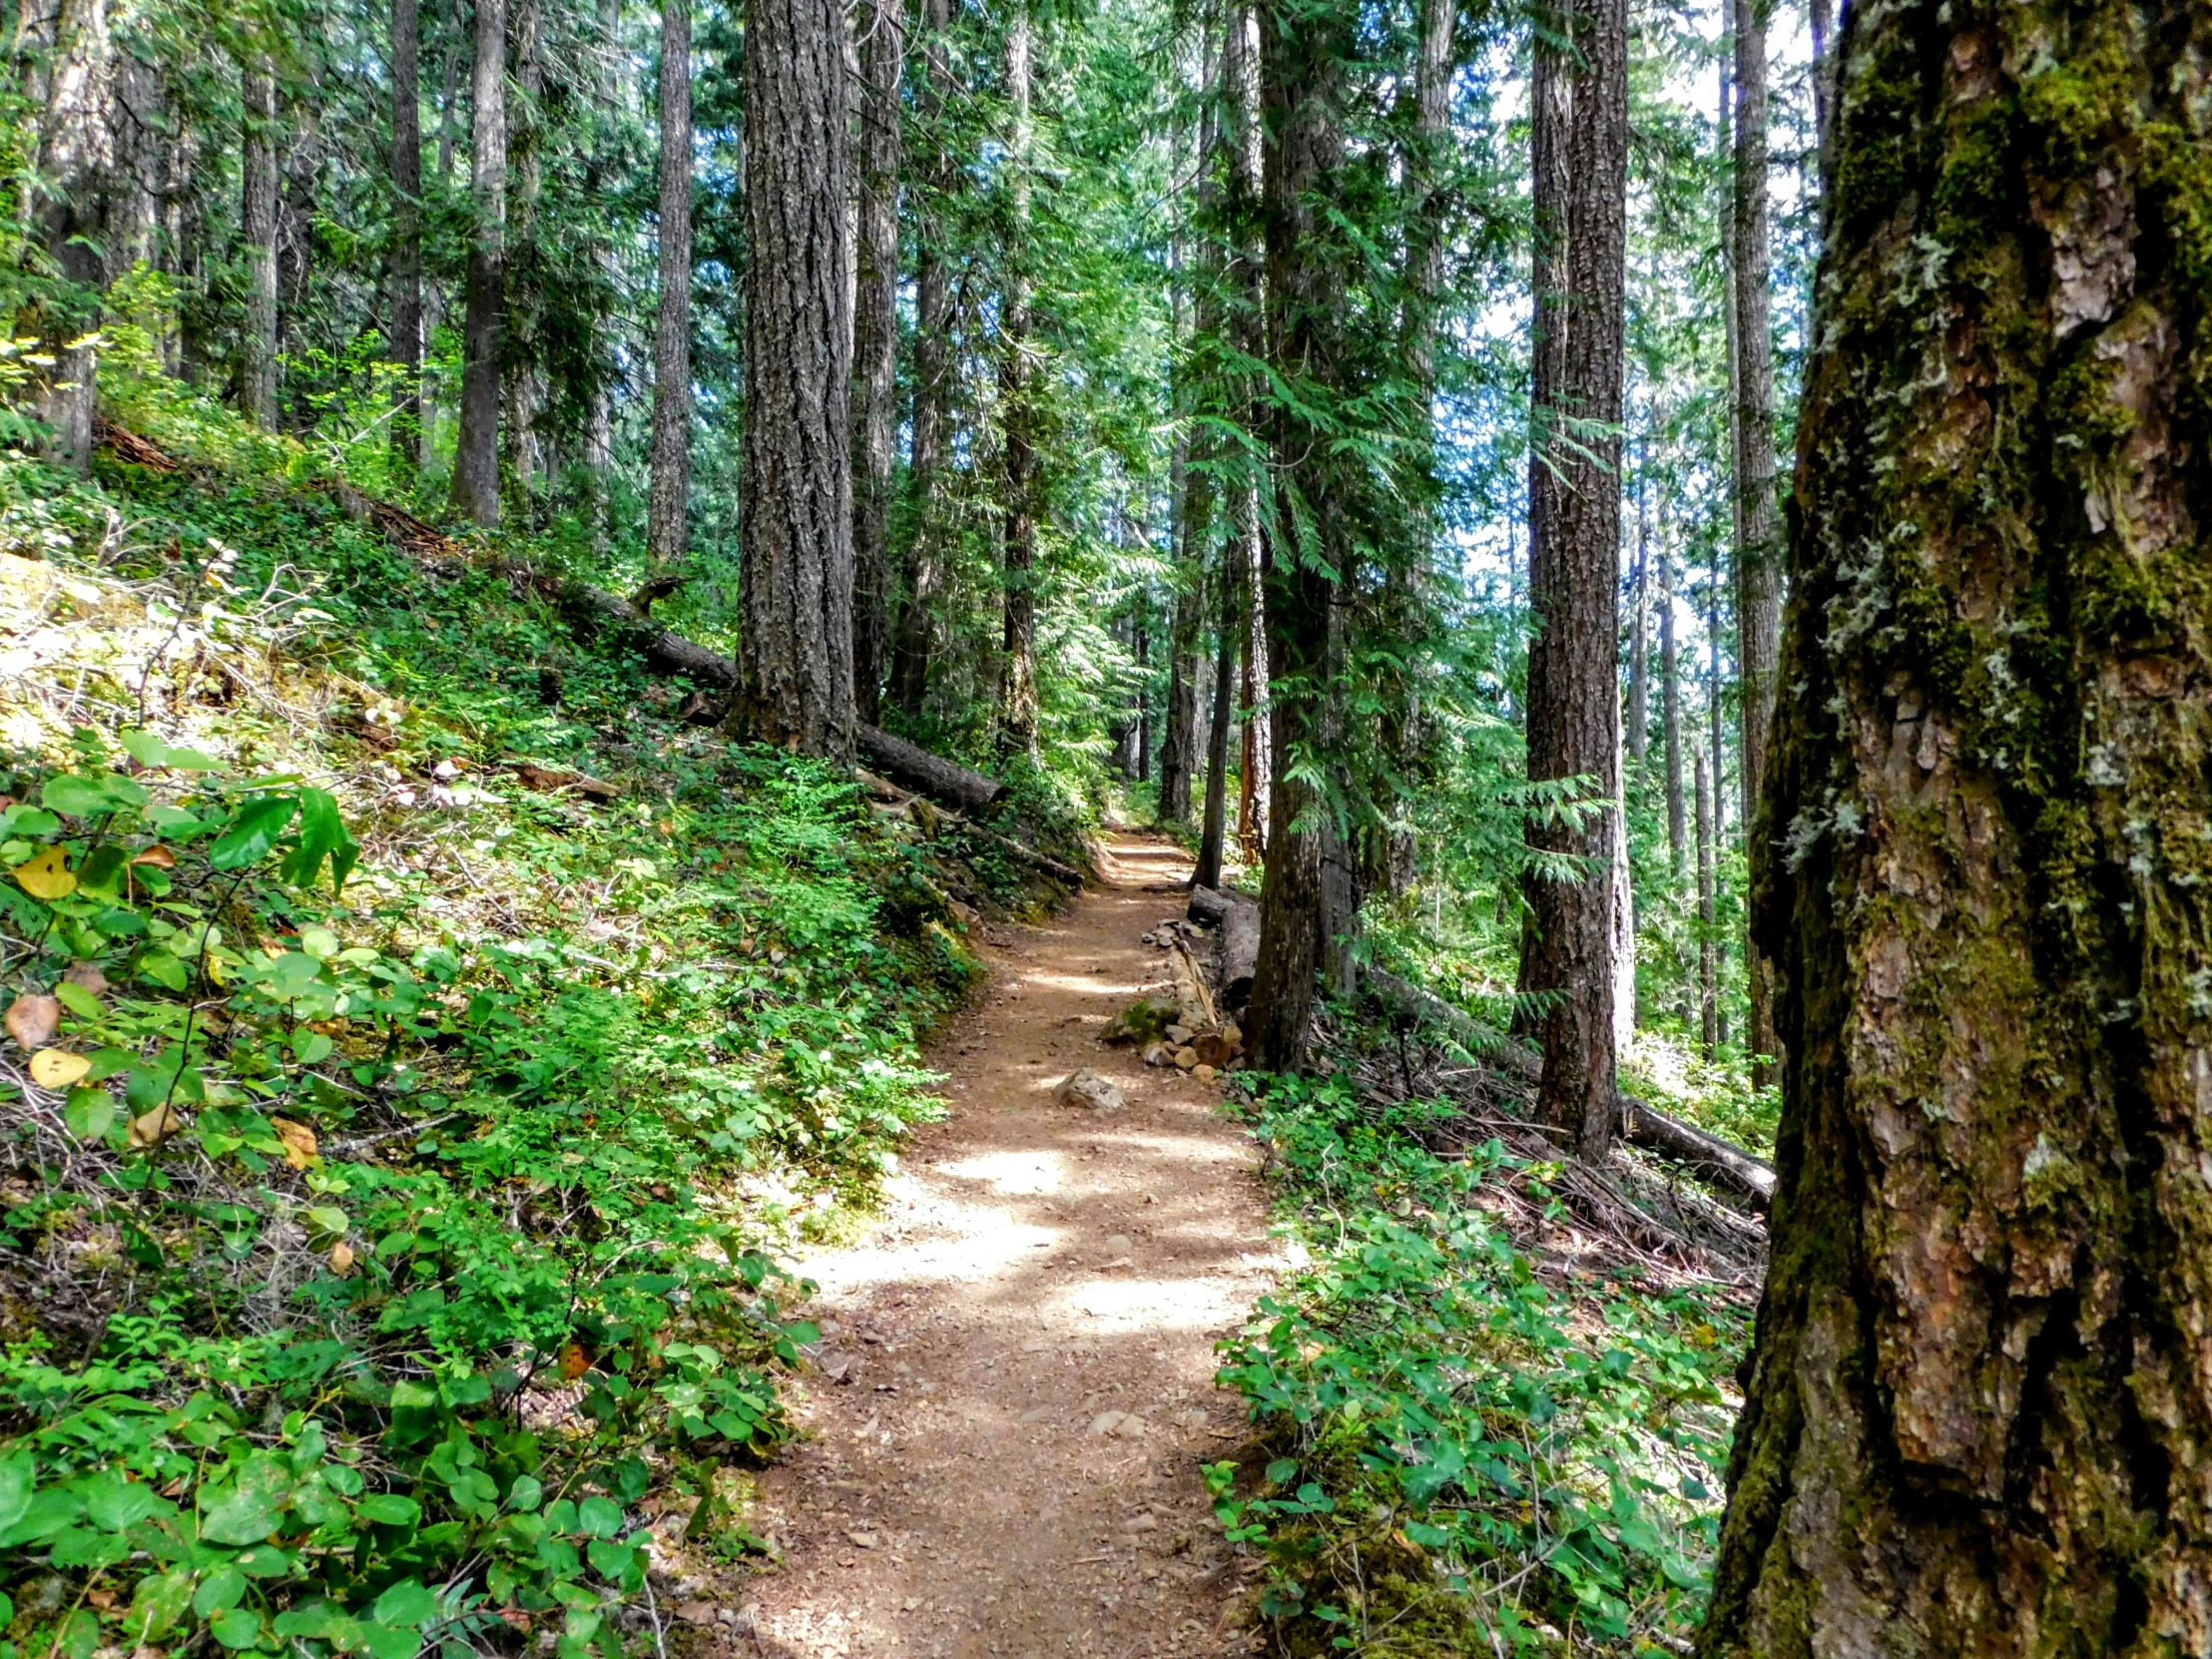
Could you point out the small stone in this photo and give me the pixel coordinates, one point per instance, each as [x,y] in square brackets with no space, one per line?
[1158,1054]
[1186,1058]
[1203,1072]
[1178,1034]
[695,1612]
[1212,1049]
[863,1540]
[1119,1244]
[1107,1422]
[1084,1087]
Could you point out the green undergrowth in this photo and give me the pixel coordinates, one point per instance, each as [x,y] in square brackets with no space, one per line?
[1459,1451]
[421,1043]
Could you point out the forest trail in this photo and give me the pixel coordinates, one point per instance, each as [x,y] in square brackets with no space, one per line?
[1018,1366]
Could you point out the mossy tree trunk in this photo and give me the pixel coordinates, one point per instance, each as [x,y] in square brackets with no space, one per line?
[668,485]
[1980,1415]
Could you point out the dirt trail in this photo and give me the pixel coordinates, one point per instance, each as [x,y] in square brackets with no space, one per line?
[1009,1463]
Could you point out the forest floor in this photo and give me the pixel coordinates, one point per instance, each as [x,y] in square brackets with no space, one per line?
[1016,1390]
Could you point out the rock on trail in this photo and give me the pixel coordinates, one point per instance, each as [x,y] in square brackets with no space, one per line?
[1006,1460]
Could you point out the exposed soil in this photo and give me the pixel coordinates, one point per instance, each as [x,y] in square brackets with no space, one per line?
[1018,1389]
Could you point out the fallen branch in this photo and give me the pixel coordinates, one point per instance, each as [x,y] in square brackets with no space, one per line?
[1721,1162]
[917,769]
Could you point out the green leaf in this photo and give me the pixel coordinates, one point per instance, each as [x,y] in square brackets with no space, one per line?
[89,1115]
[610,1561]
[90,795]
[252,829]
[157,1603]
[599,1516]
[236,1628]
[322,835]
[389,1509]
[219,1592]
[18,1475]
[526,1493]
[78,1000]
[385,1641]
[310,1047]
[114,1502]
[148,751]
[250,1509]
[405,1603]
[163,970]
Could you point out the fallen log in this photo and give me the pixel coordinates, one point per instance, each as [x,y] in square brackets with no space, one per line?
[1208,906]
[1239,953]
[927,774]
[1720,1161]
[671,653]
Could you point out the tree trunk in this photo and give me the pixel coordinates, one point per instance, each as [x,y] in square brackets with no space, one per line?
[933,383]
[476,448]
[875,344]
[1243,285]
[434,291]
[1178,742]
[1979,1414]
[1820,16]
[1308,898]
[1717,736]
[76,156]
[1639,624]
[1214,827]
[668,485]
[525,261]
[1670,715]
[1142,650]
[599,435]
[1580,125]
[1758,571]
[257,230]
[796,493]
[1708,965]
[1017,686]
[406,252]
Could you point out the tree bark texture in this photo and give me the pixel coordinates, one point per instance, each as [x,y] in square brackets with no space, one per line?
[1670,717]
[525,261]
[476,448]
[796,491]
[1244,286]
[933,381]
[1213,828]
[258,231]
[1017,683]
[1979,1418]
[1306,901]
[1580,127]
[1178,739]
[76,153]
[406,251]
[667,482]
[1707,964]
[1639,636]
[882,26]
[1757,553]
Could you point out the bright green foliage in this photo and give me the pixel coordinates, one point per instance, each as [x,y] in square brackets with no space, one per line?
[1468,1449]
[407,1216]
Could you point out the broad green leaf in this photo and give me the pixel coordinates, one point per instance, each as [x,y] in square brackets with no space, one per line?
[608,1559]
[599,1516]
[389,1509]
[219,1592]
[18,1476]
[526,1493]
[322,835]
[387,1641]
[252,830]
[114,1502]
[148,751]
[250,1509]
[236,1628]
[78,1000]
[405,1603]
[157,1603]
[90,795]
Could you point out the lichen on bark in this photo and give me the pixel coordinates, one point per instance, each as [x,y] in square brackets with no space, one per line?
[1978,1411]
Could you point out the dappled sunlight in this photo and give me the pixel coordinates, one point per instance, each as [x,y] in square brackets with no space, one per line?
[1009,1173]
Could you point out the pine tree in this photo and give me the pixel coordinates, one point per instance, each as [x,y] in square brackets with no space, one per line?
[667,534]
[477,450]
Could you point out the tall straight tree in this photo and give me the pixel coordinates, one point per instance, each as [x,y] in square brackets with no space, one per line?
[794,500]
[477,449]
[882,26]
[1978,1417]
[1670,713]
[667,483]
[1580,147]
[407,250]
[1245,294]
[1758,568]
[525,259]
[1305,905]
[933,375]
[76,147]
[258,231]
[1017,673]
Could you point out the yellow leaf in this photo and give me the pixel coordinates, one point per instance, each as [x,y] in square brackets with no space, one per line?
[156,1126]
[44,875]
[57,1068]
[341,1256]
[298,1142]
